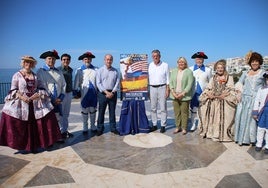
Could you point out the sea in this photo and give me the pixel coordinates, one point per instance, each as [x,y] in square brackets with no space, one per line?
[5,81]
[6,74]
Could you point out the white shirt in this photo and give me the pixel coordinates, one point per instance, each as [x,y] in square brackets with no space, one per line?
[83,77]
[202,77]
[260,99]
[51,79]
[158,74]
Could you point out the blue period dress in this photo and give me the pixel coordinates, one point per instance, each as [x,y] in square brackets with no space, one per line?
[245,125]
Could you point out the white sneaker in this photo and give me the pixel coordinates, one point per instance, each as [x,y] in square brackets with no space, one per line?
[194,125]
[193,128]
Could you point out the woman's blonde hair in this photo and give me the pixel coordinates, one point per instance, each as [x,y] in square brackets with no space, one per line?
[184,60]
[29,59]
[223,63]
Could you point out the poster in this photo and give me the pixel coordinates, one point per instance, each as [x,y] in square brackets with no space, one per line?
[134,76]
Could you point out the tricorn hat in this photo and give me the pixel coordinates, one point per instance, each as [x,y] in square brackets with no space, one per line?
[87,54]
[199,55]
[53,53]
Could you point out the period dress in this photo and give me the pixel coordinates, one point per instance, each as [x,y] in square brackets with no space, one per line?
[245,125]
[28,126]
[217,115]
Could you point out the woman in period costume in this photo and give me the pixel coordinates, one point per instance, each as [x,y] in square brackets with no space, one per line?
[28,121]
[248,84]
[217,106]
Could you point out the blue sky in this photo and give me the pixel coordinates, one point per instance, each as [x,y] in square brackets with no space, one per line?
[220,28]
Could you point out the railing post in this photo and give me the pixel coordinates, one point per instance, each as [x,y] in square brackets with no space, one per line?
[4,89]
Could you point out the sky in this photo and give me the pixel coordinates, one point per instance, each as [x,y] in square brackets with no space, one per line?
[220,28]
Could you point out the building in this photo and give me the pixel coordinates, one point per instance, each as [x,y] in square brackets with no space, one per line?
[265,63]
[237,64]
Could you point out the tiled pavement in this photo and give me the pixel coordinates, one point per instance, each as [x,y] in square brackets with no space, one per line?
[141,160]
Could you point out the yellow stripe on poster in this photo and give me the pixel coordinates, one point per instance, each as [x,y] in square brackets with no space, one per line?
[134,85]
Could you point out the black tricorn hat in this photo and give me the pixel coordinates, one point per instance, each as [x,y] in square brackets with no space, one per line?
[87,54]
[199,55]
[53,53]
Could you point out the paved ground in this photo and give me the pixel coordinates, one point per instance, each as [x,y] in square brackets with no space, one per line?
[141,160]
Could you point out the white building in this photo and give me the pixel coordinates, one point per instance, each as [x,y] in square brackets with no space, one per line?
[265,63]
[236,64]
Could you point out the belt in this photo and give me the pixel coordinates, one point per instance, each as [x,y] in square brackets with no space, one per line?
[158,85]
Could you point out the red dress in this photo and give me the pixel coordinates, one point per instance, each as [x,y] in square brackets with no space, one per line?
[31,134]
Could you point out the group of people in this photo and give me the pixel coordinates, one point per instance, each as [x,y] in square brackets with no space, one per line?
[183,85]
[37,107]
[221,109]
[97,86]
[226,111]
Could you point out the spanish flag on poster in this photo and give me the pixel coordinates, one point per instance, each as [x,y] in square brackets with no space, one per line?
[134,76]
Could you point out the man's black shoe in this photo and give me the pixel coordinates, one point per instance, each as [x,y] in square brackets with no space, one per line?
[115,132]
[69,135]
[85,132]
[153,128]
[258,149]
[64,135]
[94,131]
[163,129]
[99,133]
